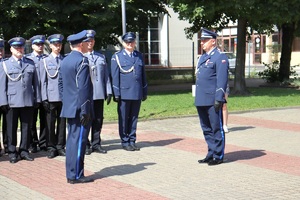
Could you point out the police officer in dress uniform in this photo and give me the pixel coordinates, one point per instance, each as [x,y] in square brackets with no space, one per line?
[51,100]
[19,93]
[37,55]
[76,91]
[129,89]
[4,132]
[101,91]
[211,82]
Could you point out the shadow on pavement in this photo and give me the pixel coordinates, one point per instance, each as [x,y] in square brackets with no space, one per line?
[243,155]
[110,145]
[241,128]
[120,170]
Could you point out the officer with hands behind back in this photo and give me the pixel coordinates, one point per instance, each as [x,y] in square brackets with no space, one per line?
[19,92]
[51,100]
[211,82]
[129,89]
[76,91]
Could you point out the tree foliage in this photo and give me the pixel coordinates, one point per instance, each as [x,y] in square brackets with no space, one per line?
[258,15]
[31,17]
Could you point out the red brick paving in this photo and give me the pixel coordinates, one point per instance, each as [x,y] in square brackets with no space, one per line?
[53,184]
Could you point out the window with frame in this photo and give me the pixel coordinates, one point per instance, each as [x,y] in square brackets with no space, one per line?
[149,42]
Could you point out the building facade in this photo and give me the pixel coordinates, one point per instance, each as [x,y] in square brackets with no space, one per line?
[165,44]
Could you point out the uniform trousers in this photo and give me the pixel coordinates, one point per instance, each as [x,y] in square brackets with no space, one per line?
[24,114]
[212,127]
[96,124]
[128,113]
[75,147]
[4,129]
[42,140]
[57,134]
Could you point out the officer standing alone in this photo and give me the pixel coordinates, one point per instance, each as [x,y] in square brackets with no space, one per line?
[211,82]
[101,91]
[76,91]
[19,92]
[129,89]
[51,100]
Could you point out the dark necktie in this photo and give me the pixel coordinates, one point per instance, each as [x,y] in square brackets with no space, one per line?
[20,62]
[92,56]
[39,57]
[57,59]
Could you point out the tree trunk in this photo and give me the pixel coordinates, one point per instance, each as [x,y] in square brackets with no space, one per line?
[239,76]
[288,30]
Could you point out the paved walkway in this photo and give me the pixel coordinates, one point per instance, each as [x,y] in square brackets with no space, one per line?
[262,161]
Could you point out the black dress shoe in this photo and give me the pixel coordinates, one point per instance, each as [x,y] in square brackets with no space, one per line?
[205,160]
[52,153]
[134,147]
[128,148]
[61,152]
[99,149]
[88,151]
[13,159]
[83,179]
[27,157]
[215,162]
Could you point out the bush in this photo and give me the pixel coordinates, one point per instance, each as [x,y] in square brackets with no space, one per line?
[271,74]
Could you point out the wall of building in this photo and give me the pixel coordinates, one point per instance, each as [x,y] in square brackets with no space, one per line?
[180,48]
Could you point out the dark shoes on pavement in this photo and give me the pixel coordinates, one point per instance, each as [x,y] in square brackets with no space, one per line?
[205,160]
[128,148]
[215,162]
[61,152]
[53,153]
[27,157]
[88,151]
[131,147]
[83,179]
[13,159]
[99,149]
[135,147]
[210,161]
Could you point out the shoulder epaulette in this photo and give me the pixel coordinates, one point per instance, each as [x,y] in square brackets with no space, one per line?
[29,58]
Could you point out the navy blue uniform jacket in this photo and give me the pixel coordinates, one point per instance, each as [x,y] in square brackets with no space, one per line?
[212,77]
[75,86]
[129,79]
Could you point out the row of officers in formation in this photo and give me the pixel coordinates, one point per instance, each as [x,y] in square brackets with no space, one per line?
[69,92]
[72,89]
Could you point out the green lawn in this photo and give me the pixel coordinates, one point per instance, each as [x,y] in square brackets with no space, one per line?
[181,103]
